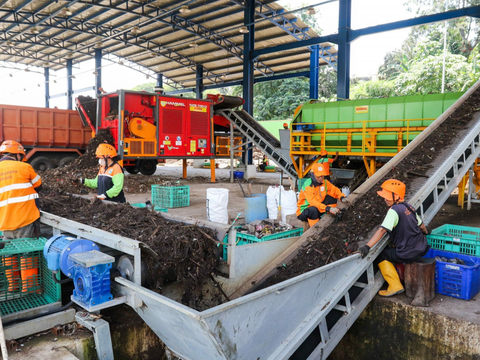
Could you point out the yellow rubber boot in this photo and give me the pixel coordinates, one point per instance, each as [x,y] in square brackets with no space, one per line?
[391,277]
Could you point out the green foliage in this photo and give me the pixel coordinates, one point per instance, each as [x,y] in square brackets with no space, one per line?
[463,33]
[277,100]
[150,86]
[425,76]
[372,89]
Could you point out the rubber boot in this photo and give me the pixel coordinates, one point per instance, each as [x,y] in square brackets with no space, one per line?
[312,222]
[391,277]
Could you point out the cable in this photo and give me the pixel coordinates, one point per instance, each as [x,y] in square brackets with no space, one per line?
[60,281]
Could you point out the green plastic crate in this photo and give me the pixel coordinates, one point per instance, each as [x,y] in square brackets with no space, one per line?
[243,239]
[455,238]
[170,196]
[156,208]
[17,292]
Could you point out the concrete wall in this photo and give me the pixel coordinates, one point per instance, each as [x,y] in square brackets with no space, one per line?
[395,330]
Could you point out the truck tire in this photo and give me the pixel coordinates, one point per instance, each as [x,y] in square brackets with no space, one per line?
[42,163]
[131,169]
[66,160]
[148,167]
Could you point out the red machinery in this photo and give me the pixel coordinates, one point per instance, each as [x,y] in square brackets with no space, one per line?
[148,127]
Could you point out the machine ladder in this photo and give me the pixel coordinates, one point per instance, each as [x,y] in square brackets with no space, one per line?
[258,135]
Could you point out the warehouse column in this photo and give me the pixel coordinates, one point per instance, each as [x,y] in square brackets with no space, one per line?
[98,70]
[47,87]
[69,84]
[199,82]
[159,80]
[248,68]
[344,27]
[314,66]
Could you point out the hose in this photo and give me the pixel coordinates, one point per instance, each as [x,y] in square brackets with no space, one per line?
[60,281]
[63,308]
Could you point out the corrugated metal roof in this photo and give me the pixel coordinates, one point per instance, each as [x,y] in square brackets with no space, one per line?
[163,36]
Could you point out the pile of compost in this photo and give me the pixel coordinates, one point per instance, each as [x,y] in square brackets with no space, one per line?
[86,166]
[184,253]
[369,209]
[60,179]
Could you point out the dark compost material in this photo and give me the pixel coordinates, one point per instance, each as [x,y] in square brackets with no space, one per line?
[185,253]
[369,209]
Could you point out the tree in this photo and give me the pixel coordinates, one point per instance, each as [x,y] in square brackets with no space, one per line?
[372,89]
[463,33]
[425,76]
[150,87]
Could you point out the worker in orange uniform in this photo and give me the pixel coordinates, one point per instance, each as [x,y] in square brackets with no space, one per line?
[19,187]
[324,159]
[109,181]
[407,235]
[318,196]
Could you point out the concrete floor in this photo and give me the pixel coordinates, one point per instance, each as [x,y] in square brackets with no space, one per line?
[199,182]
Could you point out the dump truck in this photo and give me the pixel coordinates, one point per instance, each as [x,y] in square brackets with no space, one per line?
[51,137]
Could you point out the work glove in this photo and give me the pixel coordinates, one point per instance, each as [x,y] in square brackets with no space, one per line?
[344,200]
[101,197]
[334,211]
[78,181]
[364,250]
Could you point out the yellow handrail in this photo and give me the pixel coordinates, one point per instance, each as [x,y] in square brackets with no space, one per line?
[363,130]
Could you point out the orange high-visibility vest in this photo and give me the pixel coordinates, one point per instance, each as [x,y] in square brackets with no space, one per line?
[18,181]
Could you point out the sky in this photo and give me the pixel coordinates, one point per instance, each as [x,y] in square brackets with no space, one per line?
[367,53]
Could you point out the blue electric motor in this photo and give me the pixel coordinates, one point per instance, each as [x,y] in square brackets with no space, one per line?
[89,268]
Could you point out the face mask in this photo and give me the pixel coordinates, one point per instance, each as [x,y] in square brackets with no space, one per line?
[101,162]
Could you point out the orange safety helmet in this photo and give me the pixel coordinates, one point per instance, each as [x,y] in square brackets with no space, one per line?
[321,169]
[285,125]
[106,150]
[323,153]
[12,147]
[393,190]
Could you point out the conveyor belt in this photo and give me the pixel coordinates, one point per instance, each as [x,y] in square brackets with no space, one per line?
[304,317]
[257,134]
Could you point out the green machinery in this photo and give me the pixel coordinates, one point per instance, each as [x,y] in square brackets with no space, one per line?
[368,130]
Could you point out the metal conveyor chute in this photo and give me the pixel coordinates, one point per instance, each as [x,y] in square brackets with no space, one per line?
[258,135]
[304,317]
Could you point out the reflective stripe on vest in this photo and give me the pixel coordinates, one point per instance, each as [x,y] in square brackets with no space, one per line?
[16,187]
[18,199]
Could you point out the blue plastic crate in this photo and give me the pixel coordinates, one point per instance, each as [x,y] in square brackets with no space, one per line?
[459,281]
